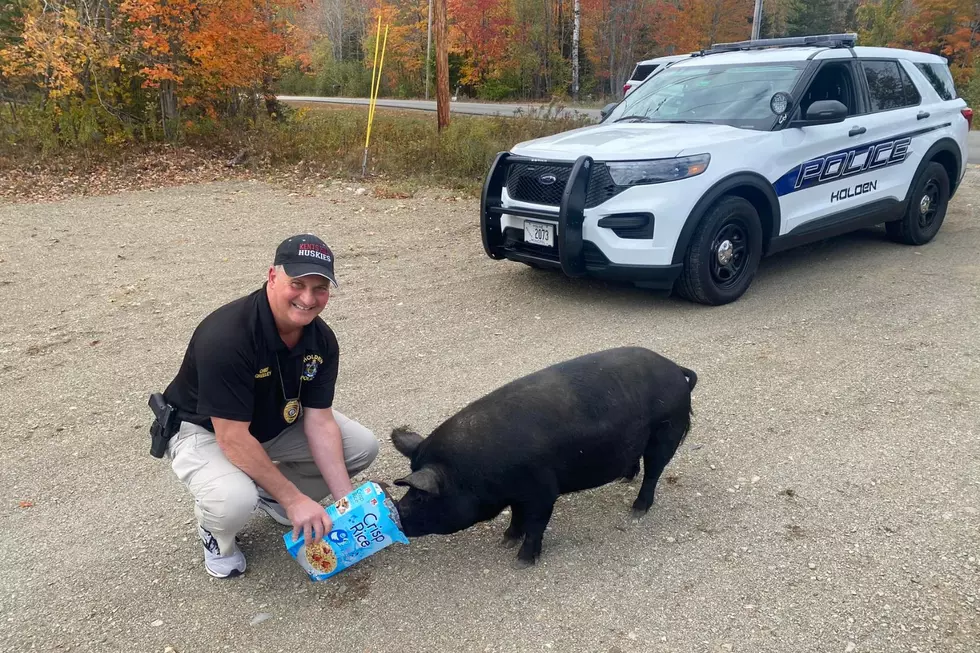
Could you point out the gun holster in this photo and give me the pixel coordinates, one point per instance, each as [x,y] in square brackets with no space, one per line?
[164,426]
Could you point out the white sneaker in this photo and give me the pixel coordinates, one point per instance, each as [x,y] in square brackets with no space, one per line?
[273,508]
[220,566]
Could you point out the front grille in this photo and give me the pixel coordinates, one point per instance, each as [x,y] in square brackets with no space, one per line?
[524,183]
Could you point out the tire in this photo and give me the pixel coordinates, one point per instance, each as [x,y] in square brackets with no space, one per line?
[926,210]
[707,278]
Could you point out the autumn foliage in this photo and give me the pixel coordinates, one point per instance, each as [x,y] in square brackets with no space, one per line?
[521,49]
[116,70]
[133,68]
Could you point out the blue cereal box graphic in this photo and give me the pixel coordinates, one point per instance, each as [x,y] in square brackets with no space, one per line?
[364,522]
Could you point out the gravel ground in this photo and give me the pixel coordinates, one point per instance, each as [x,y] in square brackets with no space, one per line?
[826,499]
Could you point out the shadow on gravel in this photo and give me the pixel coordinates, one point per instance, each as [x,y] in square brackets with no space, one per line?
[780,273]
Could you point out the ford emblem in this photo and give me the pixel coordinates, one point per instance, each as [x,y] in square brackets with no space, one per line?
[547,180]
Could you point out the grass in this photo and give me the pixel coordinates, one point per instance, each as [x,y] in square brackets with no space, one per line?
[406,149]
[404,145]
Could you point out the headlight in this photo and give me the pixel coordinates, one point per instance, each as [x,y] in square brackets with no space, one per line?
[633,173]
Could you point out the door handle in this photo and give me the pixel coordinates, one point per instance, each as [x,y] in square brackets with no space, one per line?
[856,131]
[922,114]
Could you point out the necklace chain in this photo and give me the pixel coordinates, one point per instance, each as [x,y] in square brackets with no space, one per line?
[283,385]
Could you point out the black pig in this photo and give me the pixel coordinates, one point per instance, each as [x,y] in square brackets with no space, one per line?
[570,427]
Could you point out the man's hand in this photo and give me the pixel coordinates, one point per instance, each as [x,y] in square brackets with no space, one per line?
[309,517]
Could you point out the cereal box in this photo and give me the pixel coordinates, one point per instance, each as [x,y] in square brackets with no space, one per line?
[364,522]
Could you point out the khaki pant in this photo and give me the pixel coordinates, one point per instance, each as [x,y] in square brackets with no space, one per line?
[225,496]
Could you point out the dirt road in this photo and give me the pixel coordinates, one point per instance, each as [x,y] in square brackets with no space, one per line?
[827,499]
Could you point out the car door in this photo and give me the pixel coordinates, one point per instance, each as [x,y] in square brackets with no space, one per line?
[898,128]
[818,166]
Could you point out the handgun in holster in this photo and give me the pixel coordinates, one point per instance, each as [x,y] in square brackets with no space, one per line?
[165,425]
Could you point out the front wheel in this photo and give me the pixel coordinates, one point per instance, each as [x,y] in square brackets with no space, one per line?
[724,253]
[926,210]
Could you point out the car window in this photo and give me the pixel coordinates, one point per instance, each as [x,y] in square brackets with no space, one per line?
[912,96]
[643,71]
[834,81]
[732,94]
[885,85]
[940,78]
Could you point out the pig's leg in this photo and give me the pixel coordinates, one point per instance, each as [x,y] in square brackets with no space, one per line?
[537,514]
[660,449]
[514,532]
[633,471]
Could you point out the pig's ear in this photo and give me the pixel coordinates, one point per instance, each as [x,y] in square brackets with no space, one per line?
[405,440]
[424,479]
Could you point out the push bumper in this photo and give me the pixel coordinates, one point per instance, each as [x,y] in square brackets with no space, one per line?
[575,256]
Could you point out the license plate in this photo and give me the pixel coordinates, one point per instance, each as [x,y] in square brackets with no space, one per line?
[539,233]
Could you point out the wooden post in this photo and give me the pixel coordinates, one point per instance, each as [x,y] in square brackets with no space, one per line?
[442,63]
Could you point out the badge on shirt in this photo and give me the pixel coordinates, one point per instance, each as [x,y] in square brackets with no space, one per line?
[291,411]
[311,364]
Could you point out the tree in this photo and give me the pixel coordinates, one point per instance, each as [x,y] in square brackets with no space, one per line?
[442,64]
[882,23]
[575,48]
[210,48]
[483,29]
[808,17]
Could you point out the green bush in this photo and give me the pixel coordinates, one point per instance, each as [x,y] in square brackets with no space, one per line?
[495,90]
[46,128]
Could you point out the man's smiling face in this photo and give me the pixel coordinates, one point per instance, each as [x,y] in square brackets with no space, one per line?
[295,301]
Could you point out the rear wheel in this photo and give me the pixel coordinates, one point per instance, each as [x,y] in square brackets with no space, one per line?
[927,208]
[724,253]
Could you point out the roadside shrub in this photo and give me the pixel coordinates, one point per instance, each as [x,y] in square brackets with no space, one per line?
[402,144]
[405,146]
[44,129]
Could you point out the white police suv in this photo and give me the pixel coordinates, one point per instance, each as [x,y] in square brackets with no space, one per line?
[733,153]
[643,69]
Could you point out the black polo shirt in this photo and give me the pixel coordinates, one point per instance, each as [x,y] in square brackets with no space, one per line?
[231,369]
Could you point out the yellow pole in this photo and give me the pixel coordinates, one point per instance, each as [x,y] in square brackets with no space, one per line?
[374,63]
[374,67]
[374,91]
[384,46]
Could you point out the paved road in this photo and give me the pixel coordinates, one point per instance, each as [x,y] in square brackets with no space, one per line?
[479,108]
[487,108]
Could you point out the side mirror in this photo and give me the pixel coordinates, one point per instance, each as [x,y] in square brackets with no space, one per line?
[606,109]
[823,112]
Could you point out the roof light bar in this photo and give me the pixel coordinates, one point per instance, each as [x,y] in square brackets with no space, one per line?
[819,40]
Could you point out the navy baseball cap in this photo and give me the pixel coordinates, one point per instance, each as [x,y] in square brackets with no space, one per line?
[305,254]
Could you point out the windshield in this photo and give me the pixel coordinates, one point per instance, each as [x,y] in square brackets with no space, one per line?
[733,94]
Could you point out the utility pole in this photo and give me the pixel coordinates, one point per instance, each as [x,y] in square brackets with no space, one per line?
[428,52]
[575,36]
[757,19]
[442,64]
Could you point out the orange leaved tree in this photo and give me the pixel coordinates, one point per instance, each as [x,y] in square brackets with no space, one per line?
[210,52]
